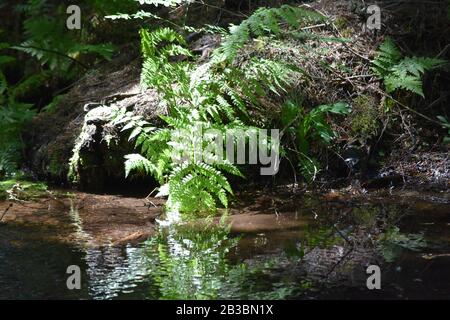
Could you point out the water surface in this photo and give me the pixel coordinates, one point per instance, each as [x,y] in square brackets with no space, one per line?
[326,256]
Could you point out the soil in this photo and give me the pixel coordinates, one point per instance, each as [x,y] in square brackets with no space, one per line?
[95,219]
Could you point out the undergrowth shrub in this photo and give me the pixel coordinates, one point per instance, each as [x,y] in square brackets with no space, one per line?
[305,128]
[47,39]
[13,116]
[58,55]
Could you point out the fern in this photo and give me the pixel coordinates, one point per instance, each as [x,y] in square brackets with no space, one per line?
[308,127]
[138,163]
[47,39]
[265,22]
[208,97]
[13,117]
[445,123]
[214,95]
[400,72]
[8,161]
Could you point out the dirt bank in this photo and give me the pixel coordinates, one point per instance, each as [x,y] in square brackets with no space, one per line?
[92,219]
[98,220]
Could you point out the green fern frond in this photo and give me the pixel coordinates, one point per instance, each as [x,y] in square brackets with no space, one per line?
[46,38]
[400,72]
[265,21]
[406,82]
[136,162]
[209,97]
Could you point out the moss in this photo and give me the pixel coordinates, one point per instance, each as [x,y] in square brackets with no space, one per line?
[341,23]
[364,119]
[56,165]
[387,104]
[22,189]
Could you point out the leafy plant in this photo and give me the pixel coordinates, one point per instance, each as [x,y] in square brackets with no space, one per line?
[446,125]
[208,97]
[307,127]
[393,242]
[400,72]
[13,116]
[48,40]
[263,22]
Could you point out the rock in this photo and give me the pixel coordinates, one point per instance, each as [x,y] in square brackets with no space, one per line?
[80,123]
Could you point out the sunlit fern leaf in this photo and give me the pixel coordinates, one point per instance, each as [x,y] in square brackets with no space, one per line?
[265,21]
[211,97]
[400,72]
[136,162]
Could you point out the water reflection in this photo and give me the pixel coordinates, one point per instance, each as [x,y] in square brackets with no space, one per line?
[190,263]
[110,271]
[114,272]
[195,263]
[325,258]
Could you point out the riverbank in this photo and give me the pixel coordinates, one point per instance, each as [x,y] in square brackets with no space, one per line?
[99,220]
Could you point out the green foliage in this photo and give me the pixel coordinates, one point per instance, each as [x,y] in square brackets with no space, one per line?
[393,242]
[445,123]
[52,106]
[400,72]
[209,97]
[48,40]
[309,127]
[157,70]
[21,189]
[13,116]
[265,21]
[364,120]
[58,53]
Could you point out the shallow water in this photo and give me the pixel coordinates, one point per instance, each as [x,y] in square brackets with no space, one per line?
[408,236]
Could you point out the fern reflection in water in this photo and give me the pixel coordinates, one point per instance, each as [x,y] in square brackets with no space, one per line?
[190,264]
[194,263]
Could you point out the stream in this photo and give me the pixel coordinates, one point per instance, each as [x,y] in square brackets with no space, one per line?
[295,247]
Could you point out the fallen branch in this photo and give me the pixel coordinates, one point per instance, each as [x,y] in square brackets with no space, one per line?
[6,210]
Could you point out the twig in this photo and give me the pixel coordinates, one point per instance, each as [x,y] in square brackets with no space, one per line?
[407,108]
[240,14]
[342,236]
[339,262]
[443,51]
[6,210]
